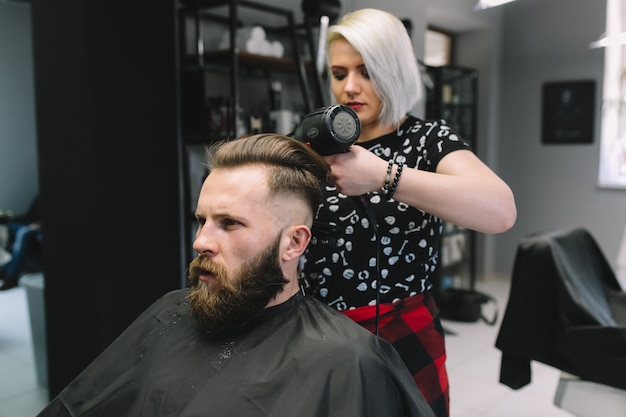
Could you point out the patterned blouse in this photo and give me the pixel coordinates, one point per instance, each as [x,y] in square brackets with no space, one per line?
[350,254]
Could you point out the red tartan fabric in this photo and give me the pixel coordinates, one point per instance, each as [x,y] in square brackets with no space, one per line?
[413,327]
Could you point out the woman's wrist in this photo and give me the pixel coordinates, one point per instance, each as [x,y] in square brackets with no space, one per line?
[392,178]
[394,185]
[387,181]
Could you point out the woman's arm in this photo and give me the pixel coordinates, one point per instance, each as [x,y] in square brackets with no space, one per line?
[463,191]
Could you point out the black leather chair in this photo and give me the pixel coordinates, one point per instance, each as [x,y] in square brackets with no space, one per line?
[566,309]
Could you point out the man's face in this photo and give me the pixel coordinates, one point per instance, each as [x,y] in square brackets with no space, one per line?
[234,298]
[238,242]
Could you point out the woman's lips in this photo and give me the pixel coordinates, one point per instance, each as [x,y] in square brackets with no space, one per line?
[355,106]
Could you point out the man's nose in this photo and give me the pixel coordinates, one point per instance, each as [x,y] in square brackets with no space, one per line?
[205,242]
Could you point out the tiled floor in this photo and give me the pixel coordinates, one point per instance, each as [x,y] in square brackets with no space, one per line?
[473,366]
[20,393]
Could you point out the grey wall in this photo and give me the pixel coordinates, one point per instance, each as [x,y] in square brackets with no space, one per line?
[555,185]
[18,149]
[516,48]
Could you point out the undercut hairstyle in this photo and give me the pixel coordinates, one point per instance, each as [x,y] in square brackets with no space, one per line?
[387,52]
[294,168]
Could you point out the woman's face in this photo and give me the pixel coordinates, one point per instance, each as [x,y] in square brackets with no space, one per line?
[351,84]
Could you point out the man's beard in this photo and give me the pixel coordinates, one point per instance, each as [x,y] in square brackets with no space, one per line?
[235,299]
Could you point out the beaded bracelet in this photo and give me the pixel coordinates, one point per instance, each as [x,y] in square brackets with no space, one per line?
[391,192]
[388,177]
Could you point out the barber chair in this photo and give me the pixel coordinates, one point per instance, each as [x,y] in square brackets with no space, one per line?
[567,310]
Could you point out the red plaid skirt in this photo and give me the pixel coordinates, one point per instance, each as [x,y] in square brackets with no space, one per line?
[412,325]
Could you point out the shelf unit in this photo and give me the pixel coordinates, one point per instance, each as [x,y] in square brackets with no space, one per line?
[234,61]
[220,58]
[199,21]
[454,99]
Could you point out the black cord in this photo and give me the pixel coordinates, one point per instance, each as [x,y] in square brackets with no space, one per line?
[372,218]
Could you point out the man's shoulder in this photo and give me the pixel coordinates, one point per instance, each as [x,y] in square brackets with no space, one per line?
[178,294]
[339,331]
[353,356]
[172,302]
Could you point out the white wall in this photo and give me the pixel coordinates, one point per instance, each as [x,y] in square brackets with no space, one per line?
[18,148]
[516,48]
[555,185]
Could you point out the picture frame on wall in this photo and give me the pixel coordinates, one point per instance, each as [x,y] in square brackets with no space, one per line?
[568,112]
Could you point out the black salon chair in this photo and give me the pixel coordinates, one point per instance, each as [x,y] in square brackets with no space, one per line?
[566,309]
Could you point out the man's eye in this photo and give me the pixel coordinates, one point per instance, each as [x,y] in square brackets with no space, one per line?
[230,223]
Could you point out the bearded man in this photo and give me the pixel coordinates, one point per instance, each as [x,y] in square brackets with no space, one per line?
[243,340]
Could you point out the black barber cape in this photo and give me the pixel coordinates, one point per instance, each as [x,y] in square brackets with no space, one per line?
[298,359]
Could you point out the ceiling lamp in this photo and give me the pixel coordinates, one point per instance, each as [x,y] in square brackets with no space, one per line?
[619,39]
[485,4]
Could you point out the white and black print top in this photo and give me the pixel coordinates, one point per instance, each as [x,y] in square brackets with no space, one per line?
[340,265]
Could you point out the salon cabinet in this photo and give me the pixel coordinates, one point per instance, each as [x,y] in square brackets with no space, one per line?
[224,85]
[453,97]
[227,89]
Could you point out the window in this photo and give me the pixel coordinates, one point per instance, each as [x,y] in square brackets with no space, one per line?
[438,48]
[612,171]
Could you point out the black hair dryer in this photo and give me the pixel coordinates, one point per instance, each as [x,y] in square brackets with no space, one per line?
[329,130]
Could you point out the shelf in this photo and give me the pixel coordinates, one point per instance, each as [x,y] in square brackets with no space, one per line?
[221,58]
[455,265]
[453,99]
[205,73]
[451,229]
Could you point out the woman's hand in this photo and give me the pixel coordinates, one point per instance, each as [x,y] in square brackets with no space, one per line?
[357,171]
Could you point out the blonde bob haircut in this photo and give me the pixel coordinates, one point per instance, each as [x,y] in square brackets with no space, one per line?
[387,52]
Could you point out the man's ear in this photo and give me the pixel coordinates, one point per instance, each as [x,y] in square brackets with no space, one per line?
[299,238]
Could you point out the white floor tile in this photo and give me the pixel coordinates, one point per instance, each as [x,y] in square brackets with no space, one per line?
[521,404]
[27,404]
[20,393]
[457,410]
[474,394]
[483,366]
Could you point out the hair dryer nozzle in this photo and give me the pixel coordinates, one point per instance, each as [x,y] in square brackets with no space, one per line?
[329,130]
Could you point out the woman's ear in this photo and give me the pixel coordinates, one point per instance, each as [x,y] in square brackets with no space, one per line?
[299,238]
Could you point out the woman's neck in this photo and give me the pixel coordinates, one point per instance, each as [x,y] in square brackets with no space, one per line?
[376,130]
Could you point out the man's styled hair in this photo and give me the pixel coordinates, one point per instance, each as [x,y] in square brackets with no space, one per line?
[387,52]
[295,169]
